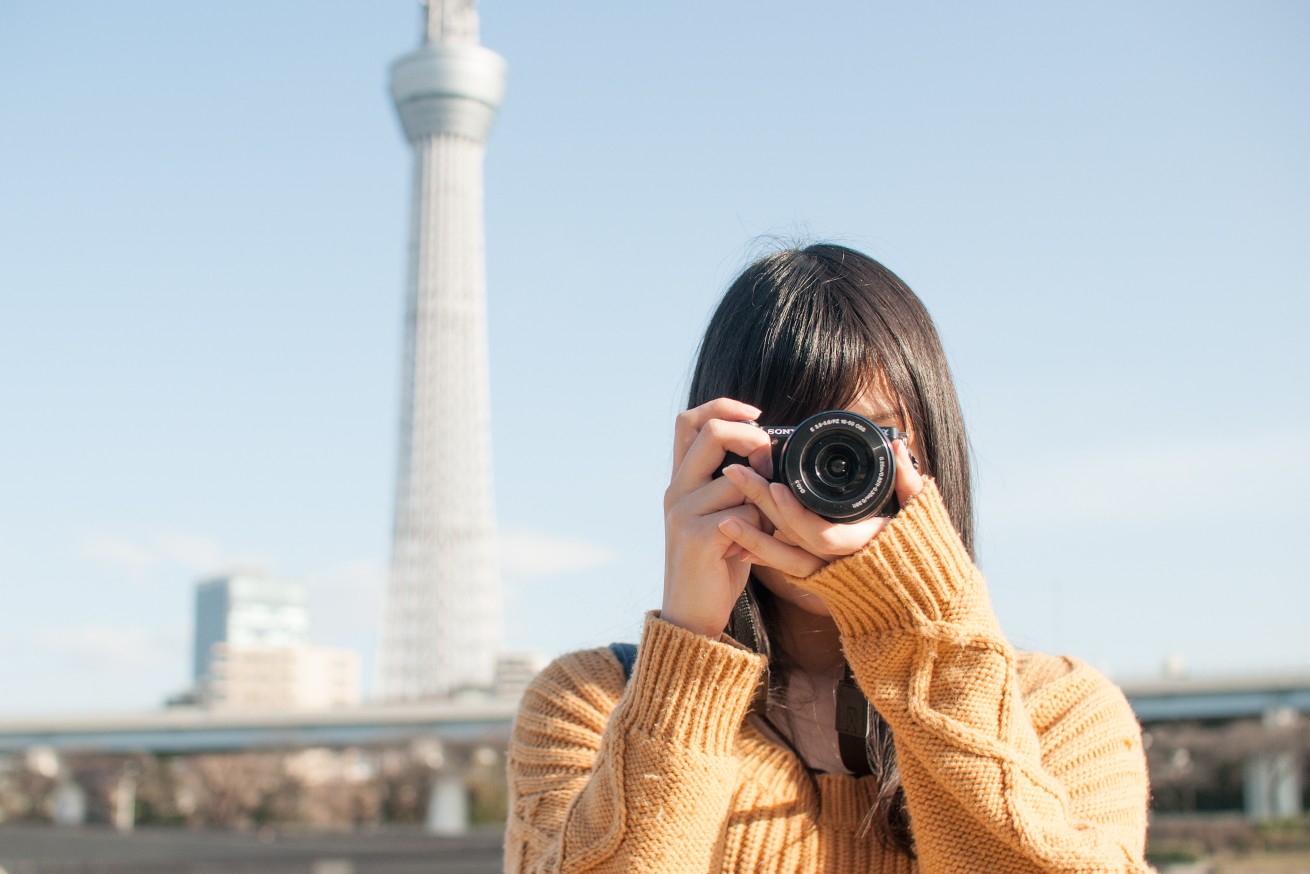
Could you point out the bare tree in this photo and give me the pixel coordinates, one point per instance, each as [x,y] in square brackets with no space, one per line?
[240,790]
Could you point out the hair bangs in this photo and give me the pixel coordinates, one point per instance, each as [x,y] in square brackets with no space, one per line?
[785,340]
[814,357]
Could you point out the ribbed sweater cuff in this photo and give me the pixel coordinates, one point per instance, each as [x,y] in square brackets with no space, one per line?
[689,689]
[908,575]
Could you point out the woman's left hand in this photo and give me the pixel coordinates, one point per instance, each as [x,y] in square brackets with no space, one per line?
[802,542]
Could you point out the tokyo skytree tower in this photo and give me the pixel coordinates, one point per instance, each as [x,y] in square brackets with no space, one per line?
[442,622]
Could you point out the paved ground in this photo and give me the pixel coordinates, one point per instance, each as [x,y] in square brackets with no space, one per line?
[1291,862]
[88,850]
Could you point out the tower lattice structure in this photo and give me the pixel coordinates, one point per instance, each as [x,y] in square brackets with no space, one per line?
[442,625]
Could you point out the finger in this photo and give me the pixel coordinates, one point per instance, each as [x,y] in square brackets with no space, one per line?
[756,490]
[791,516]
[744,515]
[909,482]
[705,455]
[711,497]
[689,422]
[770,551]
[761,460]
[816,534]
[761,493]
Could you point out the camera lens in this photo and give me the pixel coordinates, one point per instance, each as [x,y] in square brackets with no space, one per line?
[841,466]
[838,464]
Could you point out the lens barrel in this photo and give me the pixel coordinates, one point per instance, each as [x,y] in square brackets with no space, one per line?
[841,465]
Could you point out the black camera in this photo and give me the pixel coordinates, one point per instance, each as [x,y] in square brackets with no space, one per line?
[837,463]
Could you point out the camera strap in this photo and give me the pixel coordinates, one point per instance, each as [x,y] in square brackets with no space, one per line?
[742,628]
[853,714]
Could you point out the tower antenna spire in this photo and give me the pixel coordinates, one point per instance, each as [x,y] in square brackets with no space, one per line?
[451,21]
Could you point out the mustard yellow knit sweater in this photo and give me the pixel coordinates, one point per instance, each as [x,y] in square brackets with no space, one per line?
[1010,762]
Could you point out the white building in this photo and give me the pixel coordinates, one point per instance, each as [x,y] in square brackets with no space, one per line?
[252,649]
[247,609]
[299,677]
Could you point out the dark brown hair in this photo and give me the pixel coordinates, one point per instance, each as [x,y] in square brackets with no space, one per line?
[806,330]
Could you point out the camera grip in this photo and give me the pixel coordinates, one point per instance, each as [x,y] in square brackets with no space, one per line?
[731,458]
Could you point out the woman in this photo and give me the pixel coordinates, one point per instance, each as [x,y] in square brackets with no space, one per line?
[721,751]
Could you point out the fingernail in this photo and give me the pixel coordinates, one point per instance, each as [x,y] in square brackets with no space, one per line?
[730,527]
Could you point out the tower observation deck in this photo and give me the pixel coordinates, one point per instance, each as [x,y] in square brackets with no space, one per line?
[442,624]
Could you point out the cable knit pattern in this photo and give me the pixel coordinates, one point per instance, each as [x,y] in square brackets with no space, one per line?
[1011,762]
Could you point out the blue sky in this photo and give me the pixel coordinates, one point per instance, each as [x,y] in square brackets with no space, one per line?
[202,240]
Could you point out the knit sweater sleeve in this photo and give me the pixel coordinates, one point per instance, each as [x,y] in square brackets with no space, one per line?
[993,780]
[608,778]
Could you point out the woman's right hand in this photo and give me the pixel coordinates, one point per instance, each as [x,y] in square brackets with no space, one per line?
[703,576]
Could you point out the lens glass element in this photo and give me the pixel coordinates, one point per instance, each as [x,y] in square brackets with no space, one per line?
[840,465]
